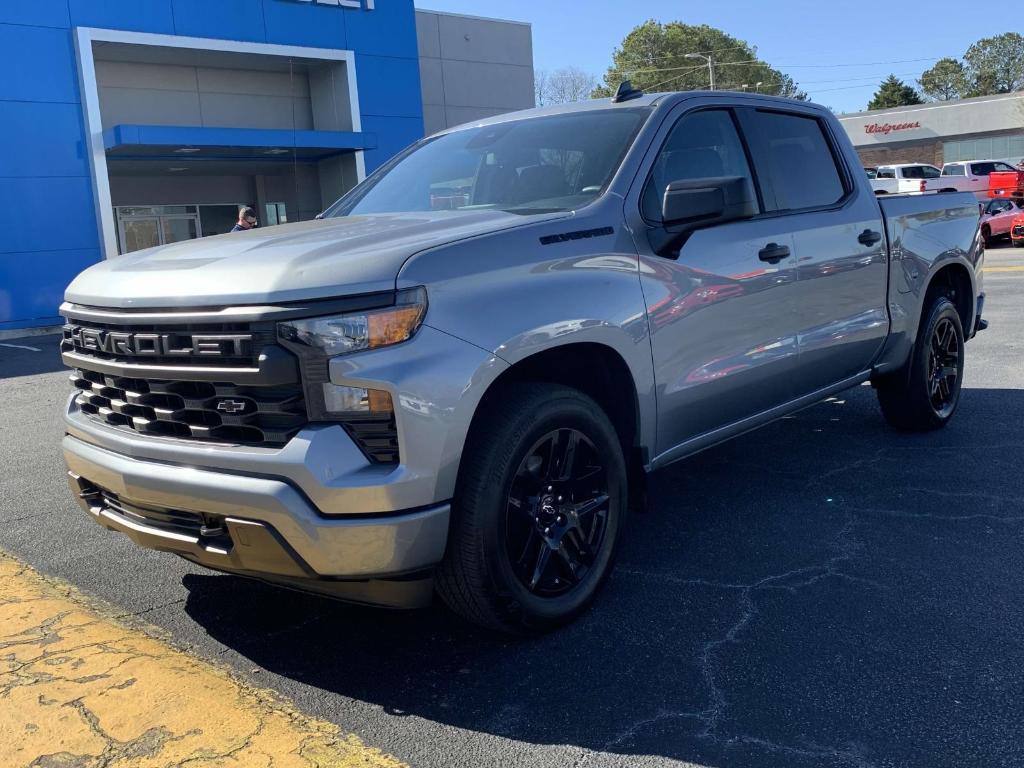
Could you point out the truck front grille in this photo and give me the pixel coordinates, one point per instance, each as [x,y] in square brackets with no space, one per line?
[197,410]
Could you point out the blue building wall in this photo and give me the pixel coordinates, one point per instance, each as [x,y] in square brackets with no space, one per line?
[50,232]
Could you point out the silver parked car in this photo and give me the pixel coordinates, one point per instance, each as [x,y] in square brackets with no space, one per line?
[460,376]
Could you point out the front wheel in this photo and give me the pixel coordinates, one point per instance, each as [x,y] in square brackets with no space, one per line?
[539,506]
[925,397]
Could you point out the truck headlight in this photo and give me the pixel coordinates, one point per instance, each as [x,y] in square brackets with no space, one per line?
[343,334]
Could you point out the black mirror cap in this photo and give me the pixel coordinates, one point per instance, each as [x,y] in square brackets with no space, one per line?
[693,203]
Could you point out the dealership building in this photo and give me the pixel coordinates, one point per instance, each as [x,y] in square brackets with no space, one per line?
[984,128]
[132,123]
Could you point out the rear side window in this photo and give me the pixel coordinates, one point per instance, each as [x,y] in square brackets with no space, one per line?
[984,169]
[798,159]
[921,172]
[701,145]
[953,170]
[886,173]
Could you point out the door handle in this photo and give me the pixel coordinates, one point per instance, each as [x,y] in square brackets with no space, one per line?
[773,253]
[869,237]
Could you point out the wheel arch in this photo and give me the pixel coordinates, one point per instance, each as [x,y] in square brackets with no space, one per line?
[595,369]
[599,371]
[955,280]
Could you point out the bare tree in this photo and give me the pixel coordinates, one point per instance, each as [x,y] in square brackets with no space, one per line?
[562,86]
[540,87]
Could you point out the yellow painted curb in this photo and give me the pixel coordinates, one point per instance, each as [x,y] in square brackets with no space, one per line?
[1003,269]
[80,687]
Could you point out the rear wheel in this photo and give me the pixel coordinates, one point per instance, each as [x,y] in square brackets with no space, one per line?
[986,234]
[540,503]
[926,396]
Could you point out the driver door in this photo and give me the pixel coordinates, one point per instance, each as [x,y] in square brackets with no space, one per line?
[721,308]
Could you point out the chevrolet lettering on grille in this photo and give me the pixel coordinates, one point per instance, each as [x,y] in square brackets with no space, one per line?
[160,344]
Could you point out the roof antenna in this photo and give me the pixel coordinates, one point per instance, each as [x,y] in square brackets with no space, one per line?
[626,92]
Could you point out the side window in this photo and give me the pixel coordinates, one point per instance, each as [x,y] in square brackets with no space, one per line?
[887,173]
[701,145]
[954,170]
[930,172]
[795,155]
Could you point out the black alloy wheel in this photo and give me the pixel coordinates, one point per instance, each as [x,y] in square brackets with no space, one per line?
[557,513]
[924,394]
[943,367]
[539,510]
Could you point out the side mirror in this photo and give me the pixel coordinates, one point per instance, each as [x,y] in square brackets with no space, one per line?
[694,203]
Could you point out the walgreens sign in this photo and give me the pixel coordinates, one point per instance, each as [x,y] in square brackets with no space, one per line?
[887,128]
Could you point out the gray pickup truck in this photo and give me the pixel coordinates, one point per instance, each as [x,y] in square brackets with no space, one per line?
[459,377]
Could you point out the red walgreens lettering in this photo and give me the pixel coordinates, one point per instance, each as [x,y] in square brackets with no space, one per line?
[887,128]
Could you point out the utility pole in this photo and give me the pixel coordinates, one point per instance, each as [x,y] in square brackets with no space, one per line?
[711,66]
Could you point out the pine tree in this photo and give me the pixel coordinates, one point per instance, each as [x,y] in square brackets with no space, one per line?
[893,92]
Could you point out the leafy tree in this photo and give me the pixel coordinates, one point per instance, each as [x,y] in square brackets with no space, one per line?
[893,92]
[562,86]
[996,64]
[946,80]
[653,58]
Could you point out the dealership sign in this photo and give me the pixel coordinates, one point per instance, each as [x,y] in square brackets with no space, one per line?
[342,3]
[887,128]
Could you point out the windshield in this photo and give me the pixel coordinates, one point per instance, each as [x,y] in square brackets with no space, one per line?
[553,163]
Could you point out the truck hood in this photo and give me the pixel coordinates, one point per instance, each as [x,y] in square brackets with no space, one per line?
[292,262]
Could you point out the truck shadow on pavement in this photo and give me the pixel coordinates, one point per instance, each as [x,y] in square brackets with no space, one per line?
[822,592]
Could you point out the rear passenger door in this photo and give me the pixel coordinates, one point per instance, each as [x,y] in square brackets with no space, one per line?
[838,244]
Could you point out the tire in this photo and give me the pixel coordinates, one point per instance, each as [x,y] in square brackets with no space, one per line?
[503,505]
[922,398]
[1017,243]
[986,234]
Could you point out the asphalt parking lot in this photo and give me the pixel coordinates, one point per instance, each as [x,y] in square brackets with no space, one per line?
[822,592]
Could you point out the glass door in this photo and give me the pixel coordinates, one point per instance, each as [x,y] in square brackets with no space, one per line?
[149,226]
[177,228]
[139,233]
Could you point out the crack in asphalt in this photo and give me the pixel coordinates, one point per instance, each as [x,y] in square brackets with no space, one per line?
[845,548]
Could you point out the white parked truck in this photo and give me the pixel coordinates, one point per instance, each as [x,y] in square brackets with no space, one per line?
[971,176]
[902,179]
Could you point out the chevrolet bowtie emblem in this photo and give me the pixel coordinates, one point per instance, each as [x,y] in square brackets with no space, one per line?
[231,406]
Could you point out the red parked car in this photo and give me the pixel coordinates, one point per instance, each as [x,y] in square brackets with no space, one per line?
[998,216]
[1017,230]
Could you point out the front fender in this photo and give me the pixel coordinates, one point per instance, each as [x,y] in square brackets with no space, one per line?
[515,296]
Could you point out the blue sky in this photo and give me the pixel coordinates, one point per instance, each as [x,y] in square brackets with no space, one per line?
[812,42]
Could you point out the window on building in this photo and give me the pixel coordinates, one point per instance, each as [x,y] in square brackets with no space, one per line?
[277,213]
[1009,148]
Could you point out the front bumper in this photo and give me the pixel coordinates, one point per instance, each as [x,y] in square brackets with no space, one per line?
[266,527]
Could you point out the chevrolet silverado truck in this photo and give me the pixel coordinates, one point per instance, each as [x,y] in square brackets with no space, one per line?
[425,392]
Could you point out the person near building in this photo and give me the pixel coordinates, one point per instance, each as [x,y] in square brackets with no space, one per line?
[246,220]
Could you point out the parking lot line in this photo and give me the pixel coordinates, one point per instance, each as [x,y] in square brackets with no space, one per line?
[1019,268]
[81,686]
